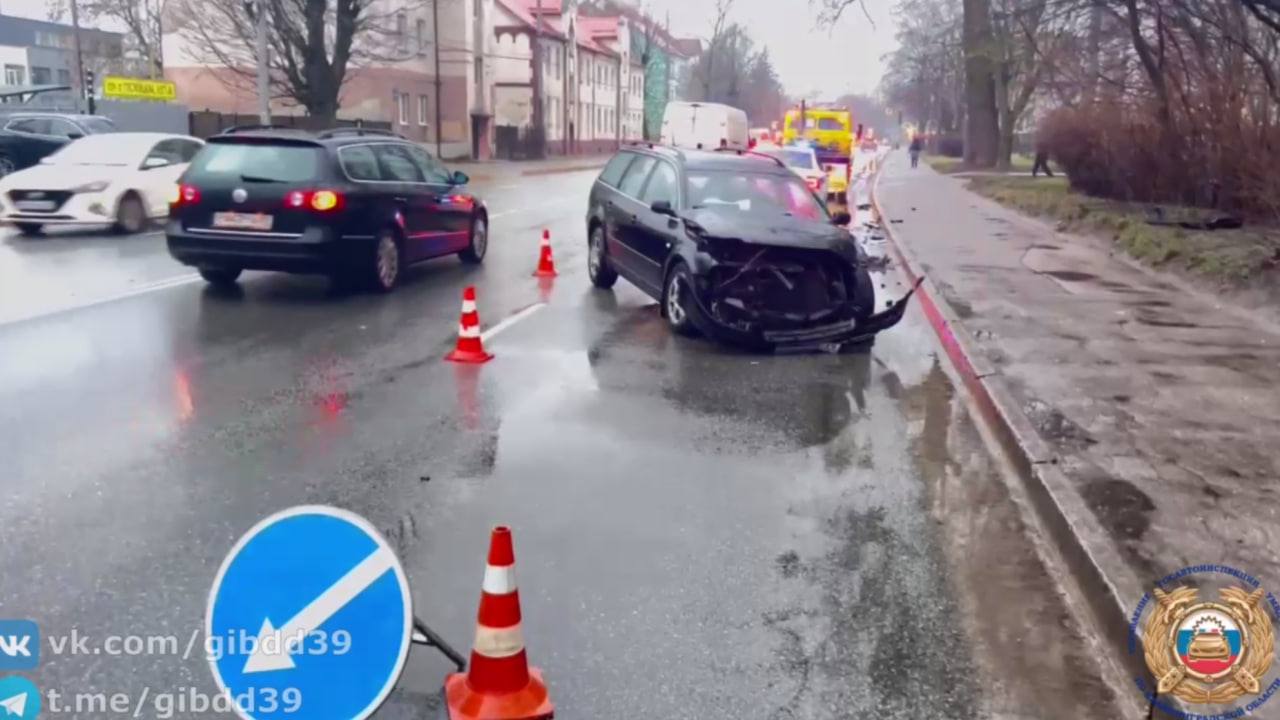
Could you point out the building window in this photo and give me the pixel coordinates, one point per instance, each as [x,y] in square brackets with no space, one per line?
[422,35]
[14,74]
[402,24]
[479,70]
[41,76]
[64,76]
[402,108]
[422,110]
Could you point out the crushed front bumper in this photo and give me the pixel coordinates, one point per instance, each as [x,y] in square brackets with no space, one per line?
[830,337]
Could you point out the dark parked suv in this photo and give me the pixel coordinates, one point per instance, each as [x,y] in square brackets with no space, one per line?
[25,137]
[353,204]
[734,245]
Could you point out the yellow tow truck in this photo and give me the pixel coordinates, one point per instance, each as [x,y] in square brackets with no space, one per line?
[829,131]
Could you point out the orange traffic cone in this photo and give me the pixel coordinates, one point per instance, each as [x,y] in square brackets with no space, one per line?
[498,684]
[546,266]
[470,348]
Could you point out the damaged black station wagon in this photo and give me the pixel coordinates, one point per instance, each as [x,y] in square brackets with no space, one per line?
[735,246]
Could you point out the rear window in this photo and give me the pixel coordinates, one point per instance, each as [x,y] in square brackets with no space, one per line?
[830,124]
[257,161]
[612,173]
[98,125]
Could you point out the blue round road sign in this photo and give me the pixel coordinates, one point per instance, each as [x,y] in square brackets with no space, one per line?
[309,617]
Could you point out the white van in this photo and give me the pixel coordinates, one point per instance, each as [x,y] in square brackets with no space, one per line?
[704,126]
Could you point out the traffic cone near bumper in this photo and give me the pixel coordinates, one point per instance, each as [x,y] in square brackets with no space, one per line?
[470,348]
[498,684]
[546,266]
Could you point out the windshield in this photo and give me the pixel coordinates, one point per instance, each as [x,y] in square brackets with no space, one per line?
[98,125]
[96,150]
[802,159]
[756,196]
[257,161]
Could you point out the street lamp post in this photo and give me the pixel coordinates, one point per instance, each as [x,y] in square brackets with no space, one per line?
[75,33]
[258,14]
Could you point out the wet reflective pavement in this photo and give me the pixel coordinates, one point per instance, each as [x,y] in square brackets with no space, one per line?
[699,533]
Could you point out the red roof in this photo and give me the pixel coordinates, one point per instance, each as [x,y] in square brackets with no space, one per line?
[524,10]
[598,27]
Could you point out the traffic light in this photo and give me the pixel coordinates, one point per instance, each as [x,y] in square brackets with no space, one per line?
[90,89]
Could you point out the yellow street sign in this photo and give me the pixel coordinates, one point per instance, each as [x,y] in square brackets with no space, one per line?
[125,88]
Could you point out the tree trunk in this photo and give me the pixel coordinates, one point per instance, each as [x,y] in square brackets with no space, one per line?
[982,128]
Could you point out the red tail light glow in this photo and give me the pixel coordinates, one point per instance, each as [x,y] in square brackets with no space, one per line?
[318,200]
[185,195]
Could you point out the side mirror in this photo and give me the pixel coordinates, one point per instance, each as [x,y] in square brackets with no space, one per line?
[841,219]
[459,178]
[74,135]
[662,207]
[154,162]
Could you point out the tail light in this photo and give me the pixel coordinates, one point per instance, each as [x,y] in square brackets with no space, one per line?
[184,195]
[318,200]
[813,183]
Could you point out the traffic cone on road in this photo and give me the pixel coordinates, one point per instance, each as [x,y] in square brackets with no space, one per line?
[498,684]
[546,266]
[470,348]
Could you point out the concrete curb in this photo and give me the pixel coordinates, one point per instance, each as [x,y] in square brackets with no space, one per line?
[1110,587]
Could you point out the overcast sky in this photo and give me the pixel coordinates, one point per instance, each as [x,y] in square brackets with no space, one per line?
[809,59]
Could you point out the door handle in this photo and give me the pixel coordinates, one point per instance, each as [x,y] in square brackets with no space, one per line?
[400,199]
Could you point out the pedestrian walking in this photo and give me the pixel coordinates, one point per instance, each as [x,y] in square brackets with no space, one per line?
[1042,160]
[916,147]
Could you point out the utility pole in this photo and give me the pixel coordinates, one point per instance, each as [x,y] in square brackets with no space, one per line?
[264,96]
[75,33]
[539,122]
[435,40]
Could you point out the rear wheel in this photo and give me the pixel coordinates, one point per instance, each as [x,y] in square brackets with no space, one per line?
[131,216]
[598,268]
[221,277]
[678,303]
[474,253]
[29,229]
[384,264]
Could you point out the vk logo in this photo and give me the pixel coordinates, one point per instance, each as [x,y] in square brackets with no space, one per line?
[19,645]
[19,699]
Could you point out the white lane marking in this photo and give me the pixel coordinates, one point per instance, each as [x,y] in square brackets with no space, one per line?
[143,290]
[508,322]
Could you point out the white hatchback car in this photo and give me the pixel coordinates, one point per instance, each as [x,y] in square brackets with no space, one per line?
[122,179]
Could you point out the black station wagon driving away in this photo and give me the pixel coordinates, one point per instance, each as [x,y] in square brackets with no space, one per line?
[354,204]
[734,245]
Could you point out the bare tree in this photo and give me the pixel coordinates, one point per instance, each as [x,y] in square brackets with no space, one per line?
[141,20]
[715,43]
[314,45]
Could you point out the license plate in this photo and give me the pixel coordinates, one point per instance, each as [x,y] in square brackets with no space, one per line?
[243,221]
[36,205]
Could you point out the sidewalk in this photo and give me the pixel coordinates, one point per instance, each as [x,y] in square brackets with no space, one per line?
[1150,416]
[491,169]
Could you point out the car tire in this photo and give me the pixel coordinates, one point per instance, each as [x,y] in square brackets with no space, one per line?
[600,271]
[7,165]
[131,215]
[479,244]
[386,261]
[677,306]
[220,277]
[29,229]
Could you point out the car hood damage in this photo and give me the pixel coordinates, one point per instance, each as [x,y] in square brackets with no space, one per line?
[787,283]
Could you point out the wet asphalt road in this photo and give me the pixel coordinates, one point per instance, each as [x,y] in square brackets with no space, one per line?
[699,533]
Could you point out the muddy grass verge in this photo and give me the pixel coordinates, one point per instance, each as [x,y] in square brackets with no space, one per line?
[1245,260]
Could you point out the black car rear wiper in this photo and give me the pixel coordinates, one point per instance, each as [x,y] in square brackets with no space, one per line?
[257,179]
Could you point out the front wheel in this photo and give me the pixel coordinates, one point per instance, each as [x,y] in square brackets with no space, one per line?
[475,251]
[221,277]
[678,303]
[598,268]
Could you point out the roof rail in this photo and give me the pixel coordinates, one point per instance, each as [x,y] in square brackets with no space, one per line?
[752,153]
[255,126]
[651,145]
[358,131]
